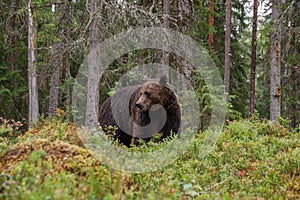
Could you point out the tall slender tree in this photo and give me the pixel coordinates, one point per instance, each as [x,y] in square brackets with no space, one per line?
[55,80]
[93,65]
[227,46]
[66,73]
[275,93]
[32,72]
[59,56]
[253,58]
[211,25]
[166,11]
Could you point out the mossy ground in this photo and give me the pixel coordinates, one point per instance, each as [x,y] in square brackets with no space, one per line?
[251,159]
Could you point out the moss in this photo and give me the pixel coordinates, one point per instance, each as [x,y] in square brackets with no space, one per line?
[53,130]
[293,187]
[62,155]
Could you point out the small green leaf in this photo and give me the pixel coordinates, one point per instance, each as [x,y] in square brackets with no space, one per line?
[187,186]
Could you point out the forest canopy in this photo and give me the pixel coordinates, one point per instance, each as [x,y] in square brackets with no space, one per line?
[43,44]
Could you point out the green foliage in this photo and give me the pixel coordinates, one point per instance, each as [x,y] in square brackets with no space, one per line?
[251,159]
[54,128]
[262,103]
[13,54]
[95,183]
[240,46]
[10,130]
[246,163]
[10,93]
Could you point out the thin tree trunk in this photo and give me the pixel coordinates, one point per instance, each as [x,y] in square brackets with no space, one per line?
[275,93]
[32,74]
[294,95]
[166,13]
[293,106]
[227,47]
[253,59]
[57,58]
[92,105]
[165,59]
[211,25]
[66,75]
[54,83]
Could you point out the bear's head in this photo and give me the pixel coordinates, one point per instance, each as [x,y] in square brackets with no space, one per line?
[152,93]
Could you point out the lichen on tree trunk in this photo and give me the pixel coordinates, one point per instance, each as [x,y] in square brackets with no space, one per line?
[275,93]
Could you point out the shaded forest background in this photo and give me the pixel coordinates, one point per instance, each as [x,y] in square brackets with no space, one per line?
[65,31]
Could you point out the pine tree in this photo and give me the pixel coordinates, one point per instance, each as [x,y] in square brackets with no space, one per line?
[253,58]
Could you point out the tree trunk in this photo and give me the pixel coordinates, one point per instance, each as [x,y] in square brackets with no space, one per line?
[294,78]
[211,25]
[59,51]
[227,47]
[32,74]
[165,59]
[275,93]
[66,75]
[253,59]
[54,83]
[91,119]
[166,13]
[294,81]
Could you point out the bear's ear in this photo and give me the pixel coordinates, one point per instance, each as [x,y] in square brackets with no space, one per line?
[163,80]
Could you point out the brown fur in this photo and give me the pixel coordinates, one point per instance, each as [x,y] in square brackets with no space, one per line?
[145,99]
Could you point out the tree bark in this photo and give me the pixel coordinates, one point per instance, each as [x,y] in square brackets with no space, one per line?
[57,60]
[165,59]
[211,25]
[91,119]
[227,47]
[294,78]
[253,59]
[275,93]
[32,74]
[66,75]
[166,13]
[54,84]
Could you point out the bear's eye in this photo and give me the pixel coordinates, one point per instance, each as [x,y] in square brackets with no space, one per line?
[147,94]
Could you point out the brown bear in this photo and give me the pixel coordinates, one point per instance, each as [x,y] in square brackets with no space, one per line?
[152,108]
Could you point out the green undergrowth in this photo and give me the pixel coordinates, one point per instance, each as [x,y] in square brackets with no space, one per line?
[250,160]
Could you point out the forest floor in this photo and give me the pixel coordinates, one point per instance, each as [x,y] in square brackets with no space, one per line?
[254,159]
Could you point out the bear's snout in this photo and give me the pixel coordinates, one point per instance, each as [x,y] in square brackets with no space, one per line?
[138,105]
